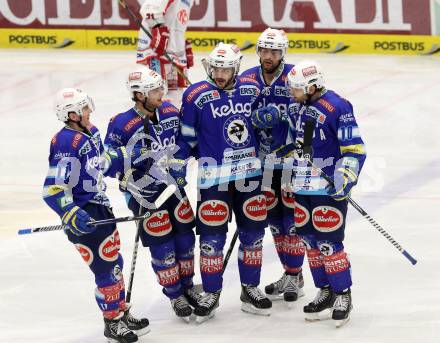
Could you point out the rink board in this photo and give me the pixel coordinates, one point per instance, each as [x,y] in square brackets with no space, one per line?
[204,41]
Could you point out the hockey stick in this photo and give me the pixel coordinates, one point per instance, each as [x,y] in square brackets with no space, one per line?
[229,252]
[160,200]
[308,134]
[246,45]
[142,27]
[136,237]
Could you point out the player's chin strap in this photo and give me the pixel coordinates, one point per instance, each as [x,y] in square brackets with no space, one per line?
[79,123]
[149,109]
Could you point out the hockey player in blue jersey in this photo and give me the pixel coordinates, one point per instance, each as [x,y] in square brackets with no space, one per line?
[74,189]
[271,75]
[153,124]
[320,211]
[216,128]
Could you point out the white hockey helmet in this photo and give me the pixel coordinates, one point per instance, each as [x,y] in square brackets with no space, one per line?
[305,74]
[143,80]
[225,56]
[273,39]
[152,11]
[71,100]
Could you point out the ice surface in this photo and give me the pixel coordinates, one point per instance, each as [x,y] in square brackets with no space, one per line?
[47,291]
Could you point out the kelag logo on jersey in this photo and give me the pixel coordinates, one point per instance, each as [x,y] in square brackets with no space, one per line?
[231,108]
[235,132]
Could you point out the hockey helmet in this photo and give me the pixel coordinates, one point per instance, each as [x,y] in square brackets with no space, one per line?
[273,39]
[225,56]
[305,74]
[143,80]
[71,100]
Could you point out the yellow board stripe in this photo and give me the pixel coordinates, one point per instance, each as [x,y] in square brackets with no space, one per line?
[206,40]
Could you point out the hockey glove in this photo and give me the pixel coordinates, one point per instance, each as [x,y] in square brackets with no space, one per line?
[266,117]
[146,186]
[177,169]
[159,40]
[189,54]
[76,219]
[343,181]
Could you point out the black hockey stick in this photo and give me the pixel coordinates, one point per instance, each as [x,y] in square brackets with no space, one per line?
[229,252]
[160,200]
[142,27]
[94,223]
[138,224]
[308,135]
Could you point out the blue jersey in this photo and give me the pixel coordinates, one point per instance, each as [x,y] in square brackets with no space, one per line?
[127,128]
[276,93]
[77,164]
[336,140]
[216,125]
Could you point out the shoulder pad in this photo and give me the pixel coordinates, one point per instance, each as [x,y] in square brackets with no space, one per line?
[326,105]
[195,89]
[77,137]
[245,79]
[251,72]
[168,108]
[53,141]
[128,126]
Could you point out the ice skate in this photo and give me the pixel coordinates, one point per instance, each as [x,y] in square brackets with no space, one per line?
[206,307]
[342,308]
[117,331]
[181,308]
[254,301]
[320,307]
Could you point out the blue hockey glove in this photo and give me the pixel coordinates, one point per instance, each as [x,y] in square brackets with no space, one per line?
[177,169]
[76,219]
[343,181]
[266,117]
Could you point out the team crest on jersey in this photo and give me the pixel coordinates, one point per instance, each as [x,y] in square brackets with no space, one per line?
[235,132]
[158,129]
[182,16]
[85,252]
[206,97]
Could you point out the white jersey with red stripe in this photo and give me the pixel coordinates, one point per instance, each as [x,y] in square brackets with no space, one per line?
[176,18]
